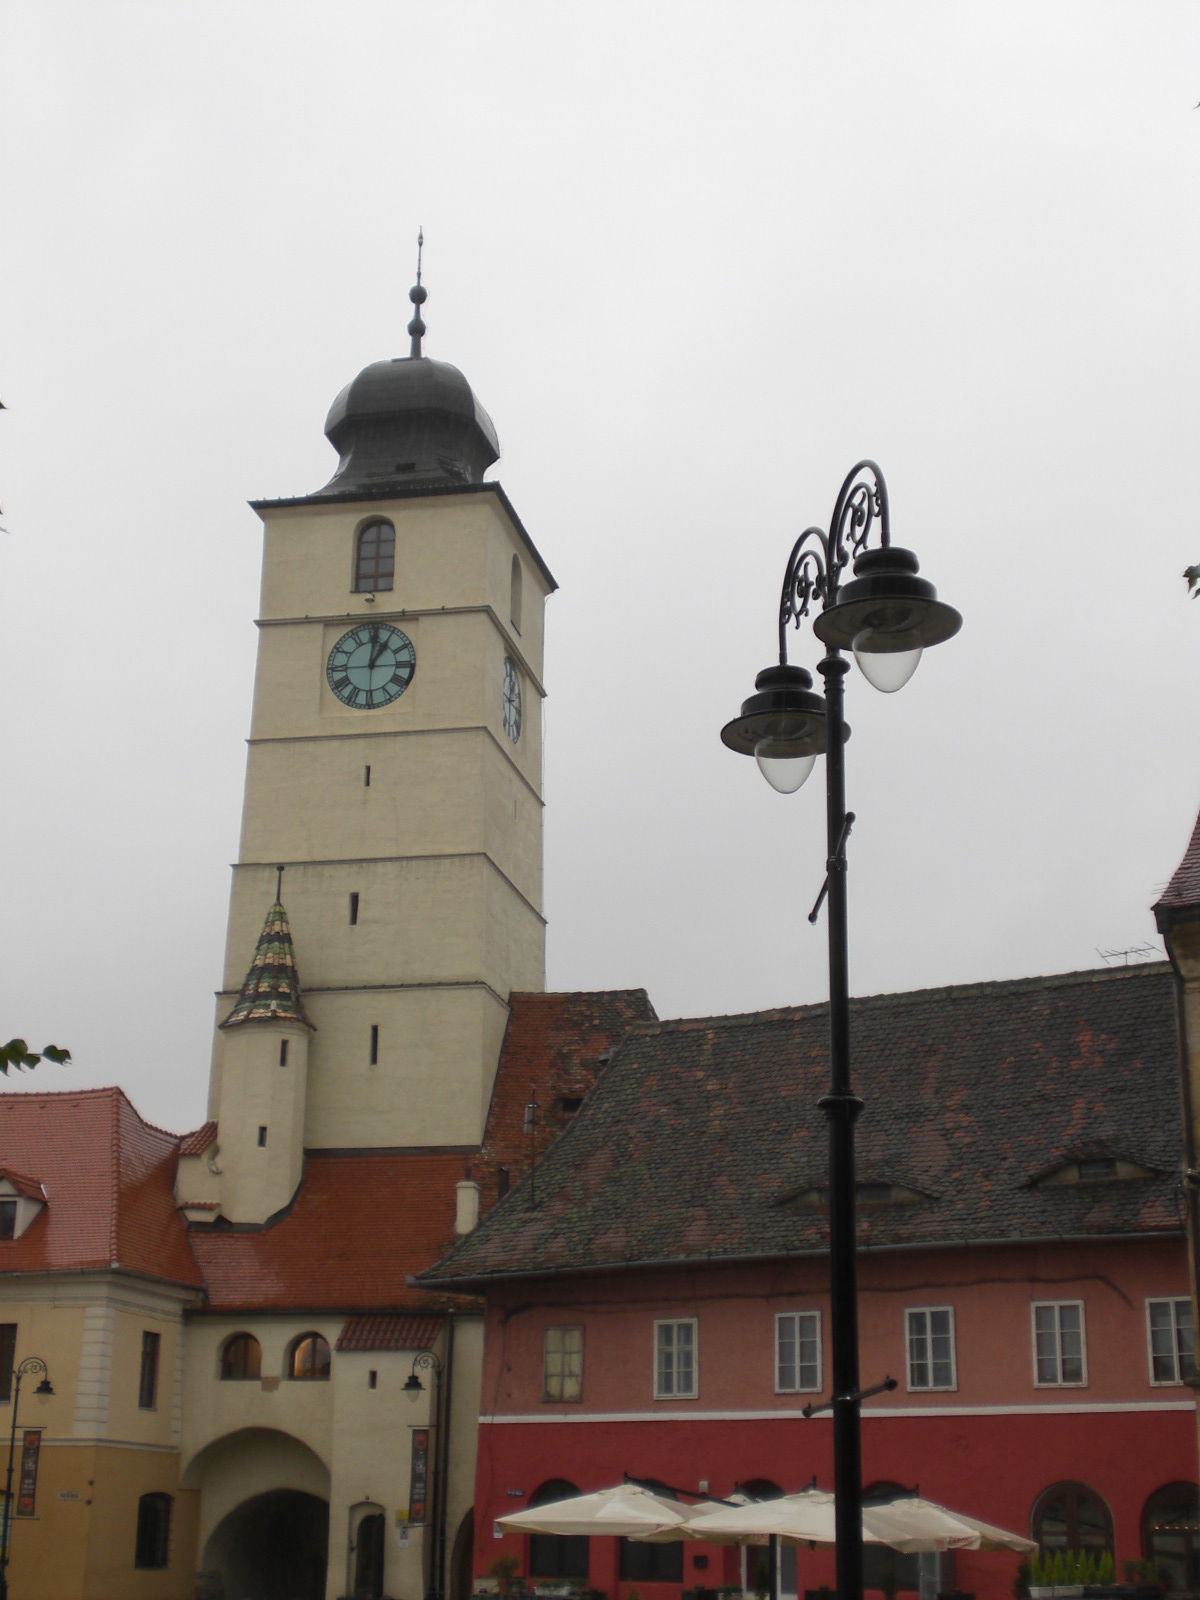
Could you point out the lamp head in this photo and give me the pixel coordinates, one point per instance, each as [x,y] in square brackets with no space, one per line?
[413,1384]
[782,725]
[887,615]
[45,1387]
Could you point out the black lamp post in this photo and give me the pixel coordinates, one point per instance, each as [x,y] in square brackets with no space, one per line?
[886,614]
[25,1369]
[428,1361]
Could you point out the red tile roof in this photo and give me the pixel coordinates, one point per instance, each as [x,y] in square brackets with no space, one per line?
[359,1226]
[390,1333]
[108,1179]
[555,1047]
[1183,891]
[195,1144]
[29,1187]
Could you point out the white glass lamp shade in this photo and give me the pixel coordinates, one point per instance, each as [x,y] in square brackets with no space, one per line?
[885,670]
[782,764]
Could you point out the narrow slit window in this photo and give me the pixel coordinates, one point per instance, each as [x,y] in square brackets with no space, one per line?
[283,1044]
[514,595]
[262,1138]
[366,777]
[374,1044]
[354,908]
[372,1379]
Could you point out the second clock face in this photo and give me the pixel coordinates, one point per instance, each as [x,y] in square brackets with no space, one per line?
[371,666]
[512,701]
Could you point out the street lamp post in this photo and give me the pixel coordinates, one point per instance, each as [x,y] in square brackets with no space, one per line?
[24,1369]
[428,1361]
[886,614]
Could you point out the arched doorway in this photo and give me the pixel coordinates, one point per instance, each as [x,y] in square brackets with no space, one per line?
[274,1546]
[779,1554]
[1070,1516]
[1171,1535]
[462,1583]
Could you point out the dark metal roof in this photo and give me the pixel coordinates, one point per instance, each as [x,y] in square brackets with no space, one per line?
[408,421]
[702,1140]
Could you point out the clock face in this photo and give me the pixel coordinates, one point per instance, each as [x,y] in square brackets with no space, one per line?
[512,701]
[371,666]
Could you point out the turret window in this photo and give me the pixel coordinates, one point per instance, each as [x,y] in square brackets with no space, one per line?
[375,557]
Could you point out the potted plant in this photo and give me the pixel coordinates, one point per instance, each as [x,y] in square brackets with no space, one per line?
[504,1570]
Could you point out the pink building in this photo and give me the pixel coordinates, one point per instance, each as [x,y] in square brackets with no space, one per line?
[658,1306]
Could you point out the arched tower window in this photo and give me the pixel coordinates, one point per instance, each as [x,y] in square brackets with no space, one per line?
[1171,1535]
[556,1555]
[514,595]
[308,1357]
[153,1542]
[375,557]
[1070,1516]
[241,1357]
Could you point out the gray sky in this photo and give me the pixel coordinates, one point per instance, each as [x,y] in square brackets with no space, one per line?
[695,259]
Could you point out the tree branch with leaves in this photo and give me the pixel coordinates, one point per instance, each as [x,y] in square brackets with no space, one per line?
[16,1053]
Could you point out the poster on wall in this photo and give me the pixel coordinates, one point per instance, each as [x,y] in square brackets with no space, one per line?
[31,1447]
[419,1475]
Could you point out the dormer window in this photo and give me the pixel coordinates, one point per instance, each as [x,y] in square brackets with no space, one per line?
[1090,1169]
[21,1200]
[869,1196]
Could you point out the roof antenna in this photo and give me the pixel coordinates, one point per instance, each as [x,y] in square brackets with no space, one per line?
[416,294]
[278,886]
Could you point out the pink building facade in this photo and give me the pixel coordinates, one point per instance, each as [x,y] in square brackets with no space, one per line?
[659,1307]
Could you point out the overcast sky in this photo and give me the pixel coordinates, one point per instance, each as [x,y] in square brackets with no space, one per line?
[696,259]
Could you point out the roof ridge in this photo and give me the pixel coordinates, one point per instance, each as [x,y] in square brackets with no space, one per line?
[906,997]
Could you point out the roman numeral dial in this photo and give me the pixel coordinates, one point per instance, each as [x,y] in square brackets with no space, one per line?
[370,666]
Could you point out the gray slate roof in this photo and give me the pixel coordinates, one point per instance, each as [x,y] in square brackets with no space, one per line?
[701,1136]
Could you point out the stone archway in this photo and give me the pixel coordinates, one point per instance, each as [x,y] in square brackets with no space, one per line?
[274,1546]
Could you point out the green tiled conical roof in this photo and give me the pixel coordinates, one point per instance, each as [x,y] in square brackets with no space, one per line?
[271,992]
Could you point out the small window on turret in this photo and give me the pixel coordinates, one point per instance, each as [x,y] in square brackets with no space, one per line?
[262,1138]
[375,557]
[283,1047]
[354,908]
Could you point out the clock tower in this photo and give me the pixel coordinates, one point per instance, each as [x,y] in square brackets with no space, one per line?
[394,774]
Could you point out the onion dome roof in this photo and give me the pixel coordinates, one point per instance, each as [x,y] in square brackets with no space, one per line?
[409,422]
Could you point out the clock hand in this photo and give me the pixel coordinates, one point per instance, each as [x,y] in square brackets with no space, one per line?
[378,650]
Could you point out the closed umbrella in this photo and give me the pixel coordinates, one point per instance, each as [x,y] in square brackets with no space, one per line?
[912,1524]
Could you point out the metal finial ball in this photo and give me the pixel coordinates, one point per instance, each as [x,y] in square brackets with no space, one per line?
[418,294]
[416,328]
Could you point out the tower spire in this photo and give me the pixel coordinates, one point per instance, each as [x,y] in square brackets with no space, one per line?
[271,990]
[416,294]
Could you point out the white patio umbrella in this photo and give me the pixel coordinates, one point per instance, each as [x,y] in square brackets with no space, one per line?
[627,1511]
[806,1517]
[911,1524]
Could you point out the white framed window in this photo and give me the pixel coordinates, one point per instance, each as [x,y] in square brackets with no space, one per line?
[1172,1348]
[797,1351]
[562,1364]
[675,1359]
[1059,1351]
[929,1334]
